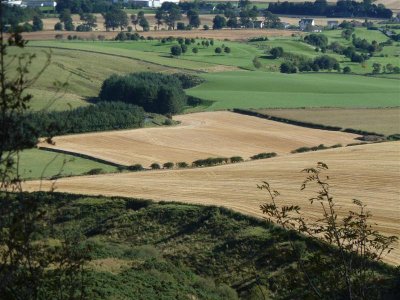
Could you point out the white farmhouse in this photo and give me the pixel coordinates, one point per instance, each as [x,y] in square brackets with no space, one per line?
[149,3]
[306,23]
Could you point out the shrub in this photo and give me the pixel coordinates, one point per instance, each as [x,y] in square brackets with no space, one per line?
[276,52]
[318,40]
[256,63]
[184,48]
[58,26]
[263,155]
[168,165]
[307,149]
[195,50]
[346,70]
[206,27]
[136,167]
[180,26]
[236,159]
[211,161]
[288,67]
[95,171]
[182,164]
[155,166]
[176,50]
[227,50]
[218,50]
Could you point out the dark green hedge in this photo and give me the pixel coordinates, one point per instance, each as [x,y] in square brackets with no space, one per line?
[99,117]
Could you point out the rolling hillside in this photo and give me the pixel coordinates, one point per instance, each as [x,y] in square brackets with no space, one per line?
[368,172]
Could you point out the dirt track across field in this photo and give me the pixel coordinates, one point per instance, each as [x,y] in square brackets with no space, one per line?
[370,173]
[199,136]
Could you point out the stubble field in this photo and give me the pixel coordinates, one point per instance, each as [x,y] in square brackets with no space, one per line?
[368,172]
[199,136]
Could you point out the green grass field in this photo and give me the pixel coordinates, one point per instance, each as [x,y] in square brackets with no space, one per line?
[83,71]
[246,89]
[35,164]
[384,120]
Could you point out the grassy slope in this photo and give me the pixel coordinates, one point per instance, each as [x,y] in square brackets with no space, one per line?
[83,71]
[384,121]
[273,90]
[35,164]
[142,250]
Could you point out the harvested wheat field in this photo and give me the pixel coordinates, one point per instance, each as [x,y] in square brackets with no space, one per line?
[370,173]
[199,136]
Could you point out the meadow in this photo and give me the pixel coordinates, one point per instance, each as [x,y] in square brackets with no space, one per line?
[35,164]
[367,172]
[276,90]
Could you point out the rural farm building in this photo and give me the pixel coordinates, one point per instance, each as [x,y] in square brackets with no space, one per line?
[149,3]
[333,24]
[304,24]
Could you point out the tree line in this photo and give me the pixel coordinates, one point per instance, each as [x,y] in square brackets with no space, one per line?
[155,92]
[340,9]
[100,117]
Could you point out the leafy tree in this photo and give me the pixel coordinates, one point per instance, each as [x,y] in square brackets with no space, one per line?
[184,48]
[168,165]
[37,24]
[180,26]
[276,52]
[144,24]
[376,68]
[170,14]
[159,16]
[227,50]
[219,22]
[218,50]
[89,20]
[134,20]
[194,18]
[58,26]
[318,40]
[232,22]
[195,50]
[115,18]
[347,33]
[288,67]
[271,20]
[155,166]
[176,50]
[346,273]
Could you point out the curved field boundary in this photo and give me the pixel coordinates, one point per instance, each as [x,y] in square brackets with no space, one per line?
[119,55]
[106,162]
[301,123]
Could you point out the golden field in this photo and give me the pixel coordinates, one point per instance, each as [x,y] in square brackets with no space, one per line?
[199,136]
